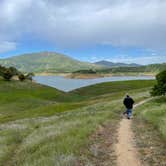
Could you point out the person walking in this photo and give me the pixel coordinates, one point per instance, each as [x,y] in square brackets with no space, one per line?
[128,102]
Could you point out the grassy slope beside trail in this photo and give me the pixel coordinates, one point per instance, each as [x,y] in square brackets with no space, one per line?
[112,87]
[24,99]
[150,127]
[44,126]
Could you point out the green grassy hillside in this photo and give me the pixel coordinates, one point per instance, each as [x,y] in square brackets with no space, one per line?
[154,112]
[153,68]
[156,67]
[150,124]
[49,62]
[40,125]
[112,87]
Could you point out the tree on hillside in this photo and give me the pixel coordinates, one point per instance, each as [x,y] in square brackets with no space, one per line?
[160,87]
[29,76]
[21,77]
[14,71]
[8,73]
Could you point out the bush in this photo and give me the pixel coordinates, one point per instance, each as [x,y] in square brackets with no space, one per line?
[90,71]
[29,76]
[8,73]
[21,77]
[14,71]
[160,87]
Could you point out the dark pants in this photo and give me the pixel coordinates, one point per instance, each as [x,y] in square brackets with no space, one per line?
[128,112]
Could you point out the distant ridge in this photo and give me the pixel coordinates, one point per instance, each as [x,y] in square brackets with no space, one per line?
[52,62]
[49,62]
[111,64]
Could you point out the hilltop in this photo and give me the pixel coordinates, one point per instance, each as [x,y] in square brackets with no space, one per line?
[111,64]
[152,68]
[132,67]
[51,62]
[46,62]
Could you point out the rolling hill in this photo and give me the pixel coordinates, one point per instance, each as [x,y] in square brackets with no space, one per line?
[155,67]
[111,64]
[40,125]
[152,68]
[49,62]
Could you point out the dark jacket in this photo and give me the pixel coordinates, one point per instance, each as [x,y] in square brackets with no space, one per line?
[128,102]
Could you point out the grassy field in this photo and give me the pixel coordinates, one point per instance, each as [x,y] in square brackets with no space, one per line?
[42,126]
[150,124]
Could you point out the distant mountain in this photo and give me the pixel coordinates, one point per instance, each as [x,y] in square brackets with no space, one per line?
[155,67]
[49,62]
[152,68]
[111,64]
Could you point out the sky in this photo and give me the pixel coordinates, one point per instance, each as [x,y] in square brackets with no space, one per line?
[130,31]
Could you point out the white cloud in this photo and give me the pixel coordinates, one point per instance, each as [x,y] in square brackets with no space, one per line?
[7,46]
[148,59]
[71,23]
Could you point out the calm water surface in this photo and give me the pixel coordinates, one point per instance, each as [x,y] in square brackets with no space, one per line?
[66,84]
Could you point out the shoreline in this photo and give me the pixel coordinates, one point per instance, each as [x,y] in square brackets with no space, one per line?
[93,76]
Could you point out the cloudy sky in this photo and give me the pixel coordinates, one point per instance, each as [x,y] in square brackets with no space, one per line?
[116,30]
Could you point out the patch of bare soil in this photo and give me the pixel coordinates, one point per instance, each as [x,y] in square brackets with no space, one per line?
[151,147]
[100,151]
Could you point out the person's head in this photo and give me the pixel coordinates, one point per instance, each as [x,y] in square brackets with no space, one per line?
[127,95]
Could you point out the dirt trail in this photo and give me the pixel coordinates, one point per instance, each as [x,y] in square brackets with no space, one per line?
[125,149]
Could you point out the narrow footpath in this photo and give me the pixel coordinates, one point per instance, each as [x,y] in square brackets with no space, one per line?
[125,148]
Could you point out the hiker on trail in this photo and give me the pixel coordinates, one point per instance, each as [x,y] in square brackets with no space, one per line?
[128,102]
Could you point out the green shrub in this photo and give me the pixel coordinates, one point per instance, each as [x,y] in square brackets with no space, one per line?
[160,87]
[29,76]
[8,73]
[21,77]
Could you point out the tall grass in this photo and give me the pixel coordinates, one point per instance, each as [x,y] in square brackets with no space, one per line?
[154,112]
[43,126]
[149,126]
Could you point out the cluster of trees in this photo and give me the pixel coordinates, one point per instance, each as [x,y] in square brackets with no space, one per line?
[8,72]
[122,69]
[160,87]
[90,71]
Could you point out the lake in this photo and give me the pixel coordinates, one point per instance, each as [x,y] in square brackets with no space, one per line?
[67,84]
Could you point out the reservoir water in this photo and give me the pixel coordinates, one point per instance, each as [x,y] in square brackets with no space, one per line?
[67,84]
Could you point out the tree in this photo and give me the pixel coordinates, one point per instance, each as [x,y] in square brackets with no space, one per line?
[160,87]
[21,77]
[7,74]
[29,76]
[14,71]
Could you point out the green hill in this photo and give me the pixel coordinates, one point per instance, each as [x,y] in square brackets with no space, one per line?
[155,67]
[40,125]
[152,68]
[150,124]
[49,62]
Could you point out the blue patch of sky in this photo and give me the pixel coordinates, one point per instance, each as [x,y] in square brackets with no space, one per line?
[91,53]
